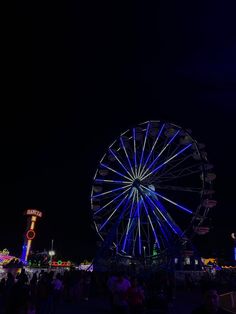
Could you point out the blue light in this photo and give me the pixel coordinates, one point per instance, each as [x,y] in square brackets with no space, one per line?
[158,135]
[161,165]
[170,201]
[119,162]
[109,168]
[128,226]
[161,210]
[163,149]
[112,181]
[153,230]
[24,251]
[112,213]
[139,233]
[108,192]
[123,146]
[144,144]
[119,195]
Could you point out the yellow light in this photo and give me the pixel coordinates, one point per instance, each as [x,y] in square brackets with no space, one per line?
[28,249]
[32,225]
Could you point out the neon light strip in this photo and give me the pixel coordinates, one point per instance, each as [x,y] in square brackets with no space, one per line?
[144,145]
[113,213]
[177,230]
[123,146]
[117,172]
[110,191]
[135,153]
[163,210]
[168,200]
[111,201]
[163,149]
[28,249]
[128,225]
[165,162]
[113,181]
[139,231]
[120,162]
[150,221]
[157,138]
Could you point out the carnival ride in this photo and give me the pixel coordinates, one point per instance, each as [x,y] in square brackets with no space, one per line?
[32,215]
[151,191]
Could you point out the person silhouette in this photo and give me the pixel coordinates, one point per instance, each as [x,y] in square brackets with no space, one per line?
[211,304]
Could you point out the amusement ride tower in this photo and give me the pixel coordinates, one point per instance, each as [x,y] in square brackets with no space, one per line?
[32,215]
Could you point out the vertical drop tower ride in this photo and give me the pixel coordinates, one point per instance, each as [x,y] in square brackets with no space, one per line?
[32,215]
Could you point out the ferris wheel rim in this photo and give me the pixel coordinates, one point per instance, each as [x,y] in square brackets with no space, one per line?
[130,174]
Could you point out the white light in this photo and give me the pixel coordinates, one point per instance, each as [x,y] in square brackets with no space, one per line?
[51,253]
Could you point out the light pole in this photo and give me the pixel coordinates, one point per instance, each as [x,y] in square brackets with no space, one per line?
[51,254]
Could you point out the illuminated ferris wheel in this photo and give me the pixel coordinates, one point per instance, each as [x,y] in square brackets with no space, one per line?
[153,187]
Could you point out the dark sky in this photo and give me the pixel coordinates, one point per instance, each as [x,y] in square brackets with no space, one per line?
[76,77]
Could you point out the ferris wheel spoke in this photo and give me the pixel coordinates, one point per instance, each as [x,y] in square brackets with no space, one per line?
[112,201]
[176,164]
[139,230]
[152,149]
[112,181]
[164,232]
[114,226]
[162,226]
[169,200]
[114,211]
[163,213]
[143,148]
[178,188]
[135,152]
[113,170]
[128,225]
[171,220]
[180,173]
[110,191]
[161,152]
[133,224]
[123,166]
[127,156]
[151,224]
[165,162]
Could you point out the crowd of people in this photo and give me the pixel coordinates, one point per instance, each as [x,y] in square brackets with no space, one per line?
[42,292]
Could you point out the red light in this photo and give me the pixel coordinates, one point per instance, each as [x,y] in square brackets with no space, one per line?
[30,234]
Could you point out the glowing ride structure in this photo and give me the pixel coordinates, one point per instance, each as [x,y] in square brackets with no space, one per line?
[6,258]
[32,215]
[151,190]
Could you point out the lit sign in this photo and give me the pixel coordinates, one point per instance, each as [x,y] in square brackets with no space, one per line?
[60,264]
[34,212]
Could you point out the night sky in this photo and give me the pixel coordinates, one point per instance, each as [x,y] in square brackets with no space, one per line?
[74,79]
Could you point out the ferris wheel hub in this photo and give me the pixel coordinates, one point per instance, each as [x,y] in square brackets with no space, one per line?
[136,183]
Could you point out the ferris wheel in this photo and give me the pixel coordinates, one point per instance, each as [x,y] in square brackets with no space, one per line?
[153,187]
